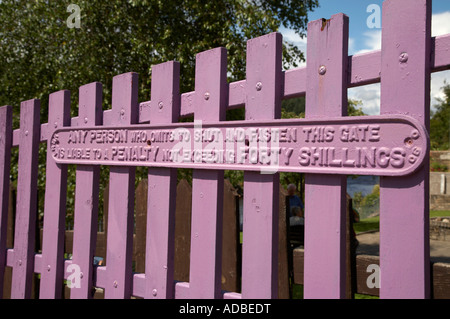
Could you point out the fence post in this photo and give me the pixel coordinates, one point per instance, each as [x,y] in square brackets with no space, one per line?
[326,96]
[162,184]
[86,195]
[211,95]
[5,166]
[119,252]
[261,194]
[404,202]
[25,231]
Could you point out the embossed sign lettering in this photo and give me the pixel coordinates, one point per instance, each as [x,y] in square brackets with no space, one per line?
[375,145]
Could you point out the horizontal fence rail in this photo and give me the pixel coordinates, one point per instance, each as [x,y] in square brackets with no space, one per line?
[403,67]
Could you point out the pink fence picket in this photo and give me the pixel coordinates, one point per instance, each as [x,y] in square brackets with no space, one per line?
[326,95]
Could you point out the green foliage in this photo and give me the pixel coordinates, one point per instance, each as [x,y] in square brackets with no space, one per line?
[440,122]
[40,54]
[355,108]
[438,167]
[293,108]
[369,204]
[357,199]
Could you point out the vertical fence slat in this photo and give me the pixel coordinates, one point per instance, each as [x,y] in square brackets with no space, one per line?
[207,186]
[5,166]
[261,191]
[25,230]
[162,188]
[55,204]
[86,196]
[125,111]
[404,202]
[326,96]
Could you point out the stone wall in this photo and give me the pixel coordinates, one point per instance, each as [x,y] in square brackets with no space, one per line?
[442,157]
[439,191]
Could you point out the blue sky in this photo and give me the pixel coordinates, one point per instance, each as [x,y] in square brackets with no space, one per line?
[363,39]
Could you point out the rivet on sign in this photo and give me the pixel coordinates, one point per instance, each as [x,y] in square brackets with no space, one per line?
[258,86]
[20,262]
[81,275]
[85,120]
[415,134]
[48,267]
[207,95]
[403,57]
[161,105]
[154,292]
[409,142]
[322,70]
[122,112]
[26,133]
[56,124]
[115,284]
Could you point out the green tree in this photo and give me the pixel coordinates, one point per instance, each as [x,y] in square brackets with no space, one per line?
[355,108]
[40,54]
[440,122]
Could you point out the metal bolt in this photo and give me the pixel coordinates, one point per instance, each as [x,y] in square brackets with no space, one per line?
[115,284]
[81,275]
[403,57]
[85,120]
[415,134]
[207,95]
[122,112]
[258,86]
[26,133]
[56,124]
[161,105]
[154,292]
[48,267]
[409,142]
[20,262]
[322,70]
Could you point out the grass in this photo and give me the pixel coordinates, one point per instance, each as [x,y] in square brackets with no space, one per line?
[440,213]
[367,224]
[373,224]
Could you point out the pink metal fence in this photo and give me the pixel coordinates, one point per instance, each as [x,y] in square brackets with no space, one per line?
[409,54]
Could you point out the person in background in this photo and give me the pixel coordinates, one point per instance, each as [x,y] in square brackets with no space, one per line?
[297,218]
[294,200]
